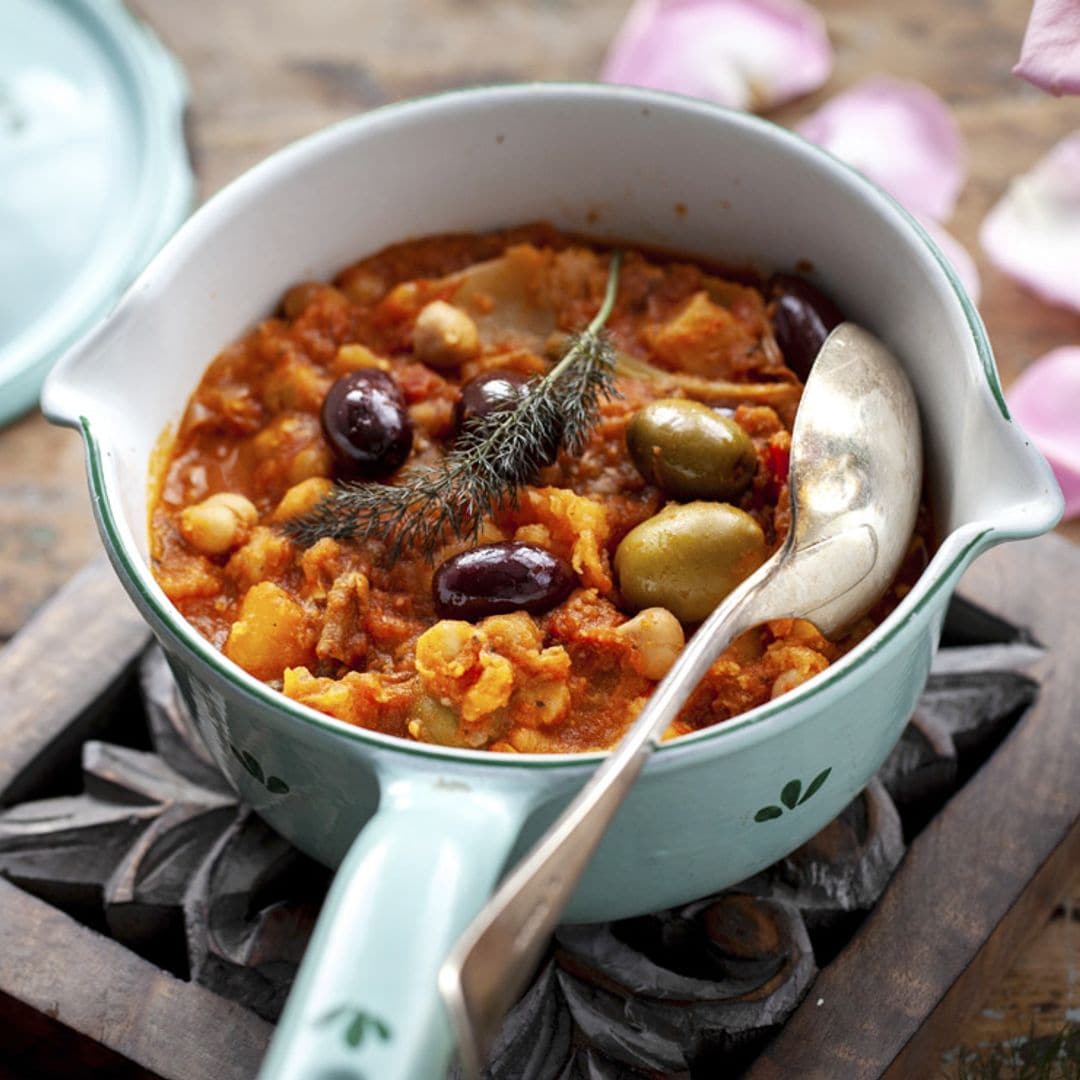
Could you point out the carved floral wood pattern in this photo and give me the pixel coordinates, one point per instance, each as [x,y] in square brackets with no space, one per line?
[156,851]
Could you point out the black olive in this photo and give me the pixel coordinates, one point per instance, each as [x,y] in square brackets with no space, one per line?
[495,579]
[491,392]
[487,393]
[366,424]
[802,318]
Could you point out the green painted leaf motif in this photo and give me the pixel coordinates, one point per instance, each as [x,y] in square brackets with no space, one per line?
[815,784]
[790,795]
[354,1033]
[360,1022]
[768,813]
[253,766]
[274,784]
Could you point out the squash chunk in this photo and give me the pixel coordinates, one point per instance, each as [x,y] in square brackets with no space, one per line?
[272,633]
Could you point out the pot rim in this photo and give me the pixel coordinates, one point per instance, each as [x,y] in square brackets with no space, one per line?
[953,553]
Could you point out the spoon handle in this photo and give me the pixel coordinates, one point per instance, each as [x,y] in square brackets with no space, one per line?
[491,962]
[493,959]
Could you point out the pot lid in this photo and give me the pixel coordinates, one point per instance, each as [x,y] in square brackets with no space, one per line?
[94,174]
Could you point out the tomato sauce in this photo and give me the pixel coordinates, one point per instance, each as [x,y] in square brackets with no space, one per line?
[348,629]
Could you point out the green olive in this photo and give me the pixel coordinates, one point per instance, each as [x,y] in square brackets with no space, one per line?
[690,450]
[688,558]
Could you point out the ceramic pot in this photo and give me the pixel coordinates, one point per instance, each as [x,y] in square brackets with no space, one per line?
[423,832]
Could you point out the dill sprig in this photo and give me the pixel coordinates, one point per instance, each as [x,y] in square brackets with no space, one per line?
[493,456]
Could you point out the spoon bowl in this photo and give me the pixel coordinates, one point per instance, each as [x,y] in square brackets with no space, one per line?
[855,477]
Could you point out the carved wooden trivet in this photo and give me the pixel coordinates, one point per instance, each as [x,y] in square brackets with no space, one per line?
[157,852]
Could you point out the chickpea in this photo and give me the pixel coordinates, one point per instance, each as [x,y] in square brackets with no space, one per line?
[312,462]
[294,385]
[265,554]
[302,497]
[444,336]
[435,416]
[543,703]
[354,357]
[219,523]
[283,435]
[402,300]
[658,637]
[440,647]
[523,740]
[362,286]
[297,298]
[300,297]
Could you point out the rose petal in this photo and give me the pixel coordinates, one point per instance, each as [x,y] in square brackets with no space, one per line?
[746,54]
[1033,233]
[899,134]
[959,257]
[1050,55]
[1045,402]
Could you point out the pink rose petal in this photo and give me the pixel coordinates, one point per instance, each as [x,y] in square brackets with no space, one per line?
[899,134]
[1050,56]
[1045,401]
[1033,233]
[959,257]
[746,54]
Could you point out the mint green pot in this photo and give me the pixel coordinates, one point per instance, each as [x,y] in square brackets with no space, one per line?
[422,833]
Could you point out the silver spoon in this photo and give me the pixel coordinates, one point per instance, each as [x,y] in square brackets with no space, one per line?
[856,472]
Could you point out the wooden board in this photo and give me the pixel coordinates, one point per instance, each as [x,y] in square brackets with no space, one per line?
[974,887]
[72,1001]
[46,708]
[120,1015]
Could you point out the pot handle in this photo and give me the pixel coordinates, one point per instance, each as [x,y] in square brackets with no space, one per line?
[365,1004]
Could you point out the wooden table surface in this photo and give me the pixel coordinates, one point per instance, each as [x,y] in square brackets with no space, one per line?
[264,73]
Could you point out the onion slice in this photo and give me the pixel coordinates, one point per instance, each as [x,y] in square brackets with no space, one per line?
[781,396]
[1050,55]
[899,134]
[1045,401]
[746,54]
[1033,233]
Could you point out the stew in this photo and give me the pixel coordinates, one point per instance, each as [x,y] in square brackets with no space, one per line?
[547,628]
